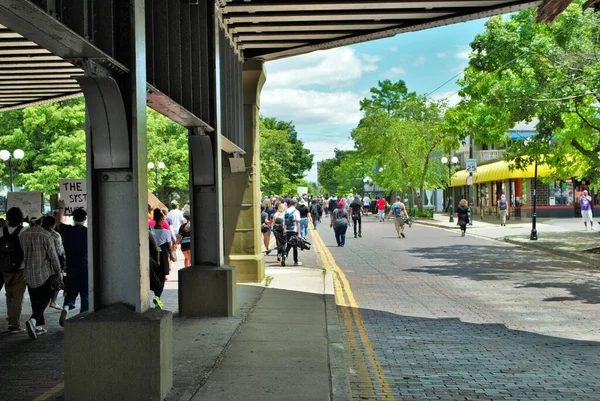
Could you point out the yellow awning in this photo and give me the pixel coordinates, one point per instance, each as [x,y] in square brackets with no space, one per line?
[499,171]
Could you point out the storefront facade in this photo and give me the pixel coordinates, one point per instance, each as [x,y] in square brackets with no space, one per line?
[557,198]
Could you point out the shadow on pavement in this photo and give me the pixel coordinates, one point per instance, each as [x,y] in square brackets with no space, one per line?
[449,359]
[501,263]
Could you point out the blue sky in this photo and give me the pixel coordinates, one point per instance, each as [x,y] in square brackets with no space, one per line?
[319,92]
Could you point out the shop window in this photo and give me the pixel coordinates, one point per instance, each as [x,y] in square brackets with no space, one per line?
[561,193]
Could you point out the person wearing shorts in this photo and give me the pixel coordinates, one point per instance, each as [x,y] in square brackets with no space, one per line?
[399,211]
[585,201]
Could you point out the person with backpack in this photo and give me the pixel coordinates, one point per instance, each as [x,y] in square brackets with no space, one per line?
[340,221]
[356,210]
[315,212]
[184,239]
[291,221]
[41,268]
[11,265]
[399,211]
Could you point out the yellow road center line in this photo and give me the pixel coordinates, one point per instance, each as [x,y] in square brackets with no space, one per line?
[50,392]
[342,284]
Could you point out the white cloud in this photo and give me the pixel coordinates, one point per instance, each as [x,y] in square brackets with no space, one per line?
[394,49]
[311,106]
[451,98]
[463,53]
[441,54]
[393,72]
[323,150]
[419,61]
[320,68]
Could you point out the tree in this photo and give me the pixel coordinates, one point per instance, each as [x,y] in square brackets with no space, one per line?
[283,157]
[400,132]
[520,70]
[53,138]
[301,159]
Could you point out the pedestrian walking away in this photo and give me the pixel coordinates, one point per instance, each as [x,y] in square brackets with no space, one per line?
[291,220]
[265,227]
[366,204]
[41,268]
[462,216]
[356,211]
[585,201]
[11,259]
[303,210]
[340,221]
[162,237]
[381,204]
[503,207]
[315,212]
[399,211]
[76,255]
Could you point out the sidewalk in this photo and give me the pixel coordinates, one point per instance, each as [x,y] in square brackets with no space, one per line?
[285,340]
[563,237]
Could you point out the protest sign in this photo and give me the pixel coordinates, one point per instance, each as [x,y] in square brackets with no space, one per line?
[31,203]
[74,193]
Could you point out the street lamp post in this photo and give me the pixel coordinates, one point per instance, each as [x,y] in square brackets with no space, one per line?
[17,156]
[533,235]
[152,166]
[367,181]
[451,162]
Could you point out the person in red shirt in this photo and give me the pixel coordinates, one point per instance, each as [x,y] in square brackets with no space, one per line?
[381,203]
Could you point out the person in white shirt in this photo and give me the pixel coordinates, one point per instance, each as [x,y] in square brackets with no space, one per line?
[291,223]
[175,217]
[366,204]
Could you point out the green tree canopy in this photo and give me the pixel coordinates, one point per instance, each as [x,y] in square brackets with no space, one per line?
[520,70]
[283,157]
[53,138]
[400,132]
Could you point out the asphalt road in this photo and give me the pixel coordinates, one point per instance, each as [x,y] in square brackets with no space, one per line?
[438,317]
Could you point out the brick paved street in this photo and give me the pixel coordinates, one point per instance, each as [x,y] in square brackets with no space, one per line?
[452,318]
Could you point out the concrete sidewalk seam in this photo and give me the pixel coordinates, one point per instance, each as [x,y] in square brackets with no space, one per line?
[338,370]
[187,396]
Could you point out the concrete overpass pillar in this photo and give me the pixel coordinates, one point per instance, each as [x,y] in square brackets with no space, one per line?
[122,349]
[241,191]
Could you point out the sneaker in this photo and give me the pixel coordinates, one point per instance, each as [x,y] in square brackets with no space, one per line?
[40,330]
[53,305]
[282,261]
[278,259]
[462,234]
[31,330]
[360,235]
[15,329]
[159,304]
[354,235]
[297,263]
[63,317]
[268,251]
[403,236]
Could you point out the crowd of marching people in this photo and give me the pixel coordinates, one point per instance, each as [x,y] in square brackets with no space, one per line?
[45,256]
[287,218]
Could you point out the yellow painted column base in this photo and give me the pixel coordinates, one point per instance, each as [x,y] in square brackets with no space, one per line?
[248,268]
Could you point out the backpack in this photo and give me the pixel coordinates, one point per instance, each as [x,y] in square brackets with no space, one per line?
[314,208]
[11,254]
[288,218]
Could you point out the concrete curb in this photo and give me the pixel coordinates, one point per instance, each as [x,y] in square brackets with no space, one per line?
[338,370]
[591,260]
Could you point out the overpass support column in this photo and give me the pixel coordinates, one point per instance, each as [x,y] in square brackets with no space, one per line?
[122,349]
[241,193]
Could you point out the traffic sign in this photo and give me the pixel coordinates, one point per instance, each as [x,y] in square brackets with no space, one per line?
[471,166]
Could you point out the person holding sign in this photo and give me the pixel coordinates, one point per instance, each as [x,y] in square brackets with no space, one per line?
[76,255]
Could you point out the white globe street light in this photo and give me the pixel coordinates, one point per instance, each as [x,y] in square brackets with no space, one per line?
[150,165]
[17,155]
[156,167]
